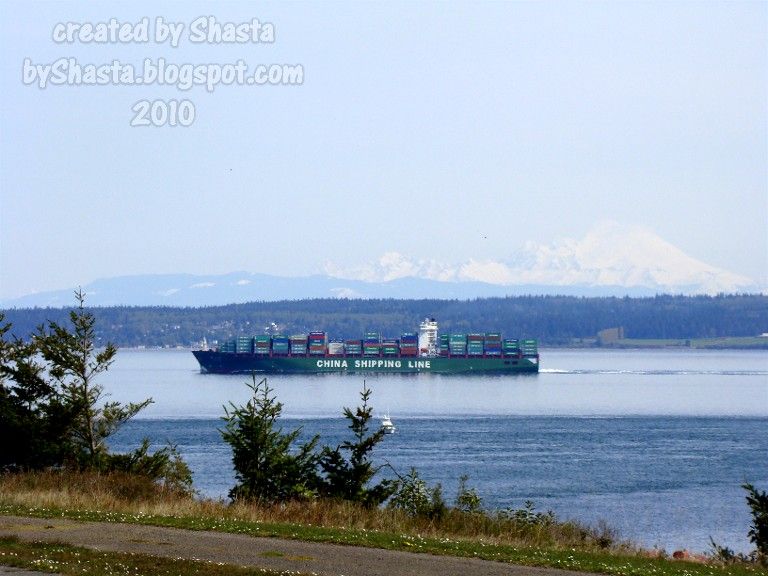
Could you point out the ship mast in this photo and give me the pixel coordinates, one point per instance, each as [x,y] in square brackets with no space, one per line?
[428,337]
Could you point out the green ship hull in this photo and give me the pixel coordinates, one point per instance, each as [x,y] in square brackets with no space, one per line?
[229,363]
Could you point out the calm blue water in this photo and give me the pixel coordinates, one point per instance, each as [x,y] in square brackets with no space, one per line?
[654,442]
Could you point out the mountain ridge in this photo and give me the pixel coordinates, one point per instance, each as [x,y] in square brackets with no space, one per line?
[235,288]
[612,259]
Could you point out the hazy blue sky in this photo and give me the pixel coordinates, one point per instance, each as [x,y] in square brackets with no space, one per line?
[439,130]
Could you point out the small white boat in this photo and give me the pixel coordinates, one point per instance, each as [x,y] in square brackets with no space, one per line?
[386,425]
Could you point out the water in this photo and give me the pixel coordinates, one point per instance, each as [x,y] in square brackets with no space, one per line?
[656,443]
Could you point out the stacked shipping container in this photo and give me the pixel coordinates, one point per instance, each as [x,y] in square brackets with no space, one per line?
[409,344]
[281,345]
[390,347]
[444,348]
[457,344]
[262,345]
[243,345]
[529,348]
[493,344]
[228,346]
[353,347]
[316,344]
[372,344]
[475,344]
[510,347]
[299,345]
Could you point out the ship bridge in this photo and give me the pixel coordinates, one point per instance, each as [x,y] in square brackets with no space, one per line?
[428,337]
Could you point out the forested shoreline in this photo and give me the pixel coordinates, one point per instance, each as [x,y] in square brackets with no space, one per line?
[554,320]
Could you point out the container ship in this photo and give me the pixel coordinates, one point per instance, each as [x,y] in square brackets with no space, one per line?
[422,352]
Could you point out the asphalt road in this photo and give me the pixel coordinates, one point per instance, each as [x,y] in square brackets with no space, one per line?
[273,553]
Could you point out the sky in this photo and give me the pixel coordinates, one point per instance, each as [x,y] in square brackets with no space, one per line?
[442,131]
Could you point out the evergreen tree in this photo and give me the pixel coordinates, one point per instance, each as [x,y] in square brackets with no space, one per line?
[74,364]
[266,466]
[50,413]
[758,506]
[347,478]
[34,423]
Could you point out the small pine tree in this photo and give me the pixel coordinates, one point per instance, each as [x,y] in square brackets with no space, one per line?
[266,468]
[758,505]
[74,363]
[33,420]
[348,478]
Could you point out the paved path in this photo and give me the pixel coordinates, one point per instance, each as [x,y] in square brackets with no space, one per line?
[273,553]
[21,572]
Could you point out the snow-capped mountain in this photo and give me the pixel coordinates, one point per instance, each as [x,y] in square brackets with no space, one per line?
[611,254]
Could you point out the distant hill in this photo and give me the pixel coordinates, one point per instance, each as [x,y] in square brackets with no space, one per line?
[240,287]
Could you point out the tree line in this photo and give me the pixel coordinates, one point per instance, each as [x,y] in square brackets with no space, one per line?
[554,320]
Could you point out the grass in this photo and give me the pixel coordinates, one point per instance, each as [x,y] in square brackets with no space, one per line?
[745,342]
[66,559]
[648,343]
[749,342]
[118,498]
[129,496]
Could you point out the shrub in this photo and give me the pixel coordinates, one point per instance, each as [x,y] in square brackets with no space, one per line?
[164,466]
[266,468]
[467,499]
[527,515]
[722,554]
[415,498]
